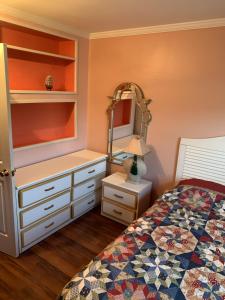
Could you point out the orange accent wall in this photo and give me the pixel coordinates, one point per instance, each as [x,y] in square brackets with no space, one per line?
[69,78]
[122,113]
[183,72]
[37,123]
[29,74]
[28,70]
[28,38]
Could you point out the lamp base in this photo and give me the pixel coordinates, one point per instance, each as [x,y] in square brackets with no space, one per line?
[136,165]
[133,178]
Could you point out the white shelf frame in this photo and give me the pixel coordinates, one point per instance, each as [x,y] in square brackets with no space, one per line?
[33,96]
[43,53]
[41,96]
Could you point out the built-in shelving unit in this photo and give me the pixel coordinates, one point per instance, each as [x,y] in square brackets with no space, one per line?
[39,115]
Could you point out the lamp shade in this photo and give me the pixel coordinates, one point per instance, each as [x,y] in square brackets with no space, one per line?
[137,146]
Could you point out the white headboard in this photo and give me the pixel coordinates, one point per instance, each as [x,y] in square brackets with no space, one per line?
[202,158]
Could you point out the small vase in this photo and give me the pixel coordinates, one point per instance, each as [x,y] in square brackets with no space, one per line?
[49,82]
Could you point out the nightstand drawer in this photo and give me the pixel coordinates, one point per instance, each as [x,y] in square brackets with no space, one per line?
[32,215]
[89,172]
[119,196]
[117,212]
[124,156]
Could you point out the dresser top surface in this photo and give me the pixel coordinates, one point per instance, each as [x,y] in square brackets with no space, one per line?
[119,179]
[48,169]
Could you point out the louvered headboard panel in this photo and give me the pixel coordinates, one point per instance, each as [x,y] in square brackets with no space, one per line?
[202,158]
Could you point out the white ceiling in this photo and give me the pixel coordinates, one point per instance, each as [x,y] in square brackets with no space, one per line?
[103,15]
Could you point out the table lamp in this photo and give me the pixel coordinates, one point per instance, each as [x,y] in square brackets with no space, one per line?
[136,167]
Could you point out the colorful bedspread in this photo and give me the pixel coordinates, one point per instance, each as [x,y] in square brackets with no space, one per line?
[175,251]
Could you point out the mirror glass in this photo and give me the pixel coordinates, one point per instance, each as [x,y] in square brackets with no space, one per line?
[128,116]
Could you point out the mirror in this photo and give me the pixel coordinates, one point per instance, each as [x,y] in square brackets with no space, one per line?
[128,115]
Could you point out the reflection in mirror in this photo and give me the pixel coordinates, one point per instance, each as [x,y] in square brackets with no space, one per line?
[128,116]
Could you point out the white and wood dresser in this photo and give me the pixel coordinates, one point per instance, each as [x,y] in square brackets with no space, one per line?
[53,193]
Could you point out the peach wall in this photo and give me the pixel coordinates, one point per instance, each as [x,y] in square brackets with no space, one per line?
[40,152]
[183,72]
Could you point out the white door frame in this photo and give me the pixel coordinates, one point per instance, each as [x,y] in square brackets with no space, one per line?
[8,204]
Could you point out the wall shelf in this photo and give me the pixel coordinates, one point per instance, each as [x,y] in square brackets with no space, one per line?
[25,96]
[37,52]
[39,116]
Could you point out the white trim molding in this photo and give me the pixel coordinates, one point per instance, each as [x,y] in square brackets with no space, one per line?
[220,22]
[21,18]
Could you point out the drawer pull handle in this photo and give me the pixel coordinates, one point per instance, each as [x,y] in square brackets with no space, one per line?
[118,196]
[49,189]
[47,208]
[117,212]
[91,201]
[49,225]
[92,171]
[90,186]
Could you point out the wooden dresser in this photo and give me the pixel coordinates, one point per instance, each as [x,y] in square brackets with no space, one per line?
[53,193]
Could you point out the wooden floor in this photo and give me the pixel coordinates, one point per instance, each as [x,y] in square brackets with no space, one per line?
[41,272]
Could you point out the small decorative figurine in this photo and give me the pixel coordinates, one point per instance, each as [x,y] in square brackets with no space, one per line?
[49,82]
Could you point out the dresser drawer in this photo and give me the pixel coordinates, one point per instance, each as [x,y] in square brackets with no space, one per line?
[41,191]
[43,228]
[124,215]
[89,172]
[40,211]
[87,187]
[119,196]
[85,204]
[123,156]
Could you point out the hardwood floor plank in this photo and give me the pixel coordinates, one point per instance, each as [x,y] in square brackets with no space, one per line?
[20,284]
[41,272]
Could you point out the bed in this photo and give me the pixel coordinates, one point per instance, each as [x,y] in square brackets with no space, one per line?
[176,250]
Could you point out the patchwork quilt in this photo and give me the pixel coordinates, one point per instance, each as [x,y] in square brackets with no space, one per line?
[175,251]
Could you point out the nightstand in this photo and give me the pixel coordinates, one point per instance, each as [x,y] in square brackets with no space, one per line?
[124,201]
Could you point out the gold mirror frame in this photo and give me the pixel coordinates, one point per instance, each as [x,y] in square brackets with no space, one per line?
[140,101]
